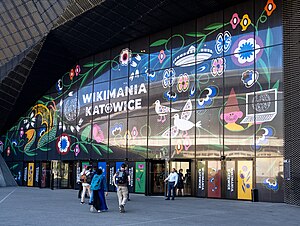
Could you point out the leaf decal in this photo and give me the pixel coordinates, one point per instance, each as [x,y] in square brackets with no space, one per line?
[276,85]
[214,26]
[96,150]
[200,45]
[101,68]
[265,69]
[105,148]
[269,41]
[159,42]
[86,133]
[195,34]
[48,98]
[83,148]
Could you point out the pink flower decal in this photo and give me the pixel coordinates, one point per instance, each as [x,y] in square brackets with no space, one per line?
[183,83]
[21,132]
[138,179]
[134,133]
[161,56]
[235,20]
[141,166]
[98,133]
[218,66]
[77,70]
[77,150]
[8,151]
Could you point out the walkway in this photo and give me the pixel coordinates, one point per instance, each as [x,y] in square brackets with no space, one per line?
[34,206]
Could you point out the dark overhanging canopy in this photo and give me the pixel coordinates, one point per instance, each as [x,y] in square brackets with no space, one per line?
[108,24]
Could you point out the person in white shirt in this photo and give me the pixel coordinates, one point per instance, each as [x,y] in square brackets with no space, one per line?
[172,179]
[85,185]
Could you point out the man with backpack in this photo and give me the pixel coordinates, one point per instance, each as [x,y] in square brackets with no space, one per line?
[120,180]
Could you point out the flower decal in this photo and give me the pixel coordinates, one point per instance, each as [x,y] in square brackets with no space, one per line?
[249,78]
[116,129]
[183,83]
[270,7]
[21,133]
[161,56]
[77,70]
[168,78]
[141,166]
[8,151]
[76,150]
[63,144]
[218,66]
[134,132]
[170,96]
[30,121]
[125,57]
[245,22]
[247,49]
[235,20]
[178,147]
[59,86]
[223,42]
[98,133]
[71,74]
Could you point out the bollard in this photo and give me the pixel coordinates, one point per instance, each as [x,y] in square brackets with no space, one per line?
[254,195]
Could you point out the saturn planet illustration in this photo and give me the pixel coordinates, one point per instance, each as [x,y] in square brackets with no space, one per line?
[190,58]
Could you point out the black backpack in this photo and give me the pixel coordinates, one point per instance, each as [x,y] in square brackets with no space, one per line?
[122,177]
[89,178]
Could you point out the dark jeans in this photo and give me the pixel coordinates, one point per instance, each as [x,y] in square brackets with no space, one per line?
[171,187]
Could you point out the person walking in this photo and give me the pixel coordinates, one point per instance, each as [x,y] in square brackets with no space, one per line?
[120,180]
[85,174]
[99,189]
[172,179]
[180,183]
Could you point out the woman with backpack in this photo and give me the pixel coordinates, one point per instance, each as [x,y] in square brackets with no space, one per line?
[99,188]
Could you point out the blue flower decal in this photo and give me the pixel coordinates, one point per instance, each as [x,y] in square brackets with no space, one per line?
[223,42]
[168,78]
[206,97]
[170,95]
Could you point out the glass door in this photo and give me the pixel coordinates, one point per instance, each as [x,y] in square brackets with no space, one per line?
[214,179]
[245,179]
[64,183]
[230,180]
[157,176]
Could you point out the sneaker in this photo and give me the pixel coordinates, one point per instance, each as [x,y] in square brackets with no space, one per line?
[122,209]
[99,211]
[91,209]
[82,202]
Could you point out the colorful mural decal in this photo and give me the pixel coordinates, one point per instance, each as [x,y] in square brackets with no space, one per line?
[140,177]
[214,89]
[244,179]
[30,174]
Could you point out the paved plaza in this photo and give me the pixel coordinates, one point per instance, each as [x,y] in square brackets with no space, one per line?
[34,206]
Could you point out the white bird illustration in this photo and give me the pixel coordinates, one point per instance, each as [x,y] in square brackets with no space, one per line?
[184,124]
[162,111]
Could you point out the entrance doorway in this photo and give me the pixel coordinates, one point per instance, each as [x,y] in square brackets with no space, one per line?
[157,173]
[229,179]
[185,166]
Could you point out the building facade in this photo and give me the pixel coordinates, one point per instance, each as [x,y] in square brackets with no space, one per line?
[205,96]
